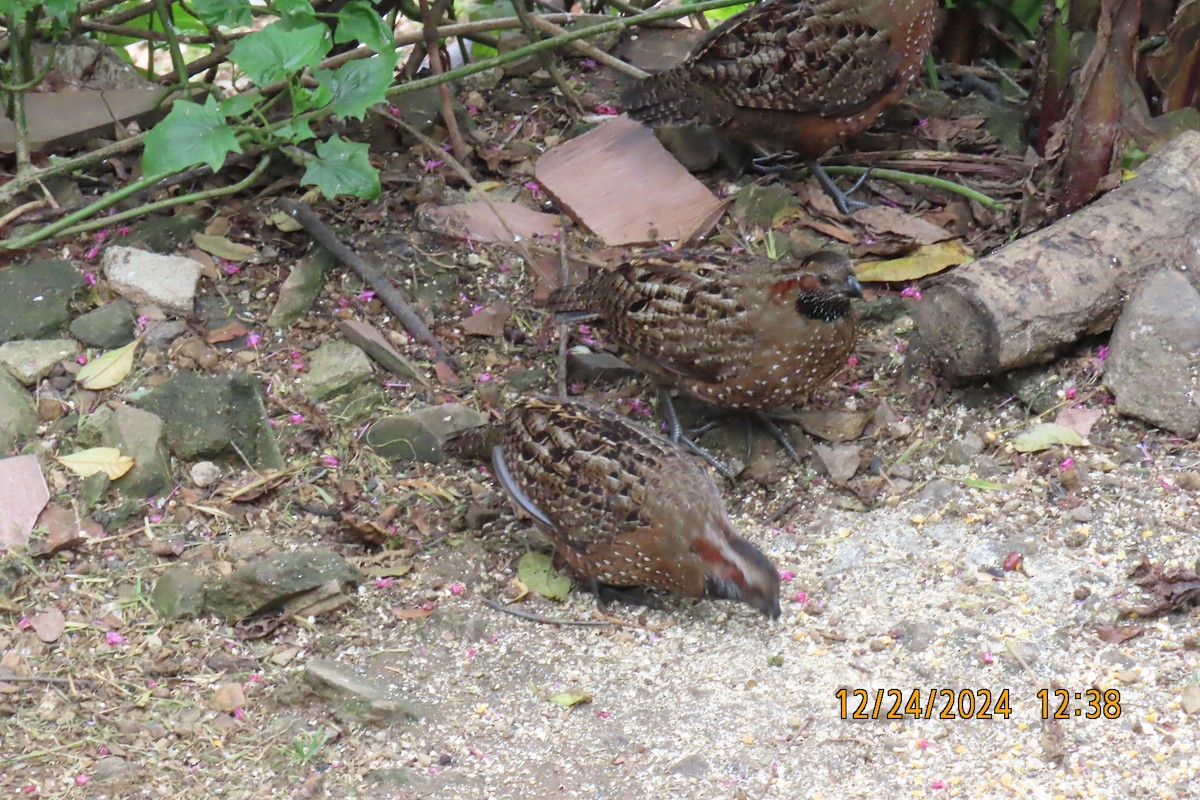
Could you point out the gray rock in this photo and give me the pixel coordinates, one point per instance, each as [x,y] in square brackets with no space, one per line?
[267,583]
[528,380]
[161,234]
[18,417]
[109,326]
[205,474]
[380,350]
[598,368]
[839,461]
[300,288]
[388,778]
[483,81]
[334,368]
[419,435]
[34,297]
[763,206]
[692,766]
[206,416]
[30,360]
[696,147]
[168,282]
[357,695]
[1153,367]
[160,333]
[139,434]
[962,451]
[111,768]
[178,593]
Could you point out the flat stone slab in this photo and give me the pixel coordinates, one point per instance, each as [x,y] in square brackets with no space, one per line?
[168,282]
[619,182]
[30,360]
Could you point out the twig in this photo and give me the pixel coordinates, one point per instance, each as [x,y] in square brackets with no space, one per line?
[545,58]
[435,62]
[592,52]
[532,617]
[66,226]
[912,177]
[387,294]
[517,241]
[563,337]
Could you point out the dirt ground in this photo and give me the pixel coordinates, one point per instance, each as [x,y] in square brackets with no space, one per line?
[1003,574]
[950,563]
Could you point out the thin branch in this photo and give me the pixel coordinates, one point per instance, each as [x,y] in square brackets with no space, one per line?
[545,58]
[387,294]
[66,226]
[435,62]
[592,52]
[532,617]
[465,174]
[897,176]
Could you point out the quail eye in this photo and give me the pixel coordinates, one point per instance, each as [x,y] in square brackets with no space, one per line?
[825,281]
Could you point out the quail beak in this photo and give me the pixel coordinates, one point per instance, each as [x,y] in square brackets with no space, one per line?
[853,288]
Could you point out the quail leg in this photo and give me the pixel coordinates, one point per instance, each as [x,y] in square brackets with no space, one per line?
[842,200]
[632,595]
[763,419]
[666,407]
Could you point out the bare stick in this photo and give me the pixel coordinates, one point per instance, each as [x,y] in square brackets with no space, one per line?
[545,58]
[388,294]
[591,51]
[465,174]
[435,63]
[532,617]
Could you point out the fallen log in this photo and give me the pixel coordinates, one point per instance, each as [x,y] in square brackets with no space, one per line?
[1027,301]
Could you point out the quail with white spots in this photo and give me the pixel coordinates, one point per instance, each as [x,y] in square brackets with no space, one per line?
[802,75]
[626,507]
[739,332]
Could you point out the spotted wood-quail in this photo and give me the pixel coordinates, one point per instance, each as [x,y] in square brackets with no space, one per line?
[626,507]
[802,75]
[740,332]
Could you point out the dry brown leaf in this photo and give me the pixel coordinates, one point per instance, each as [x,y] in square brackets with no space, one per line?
[489,320]
[49,625]
[1115,634]
[1079,420]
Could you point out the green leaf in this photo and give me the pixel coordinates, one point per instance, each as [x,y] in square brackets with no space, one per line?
[568,699]
[280,50]
[298,12]
[17,8]
[359,20]
[296,131]
[536,571]
[238,104]
[1045,436]
[226,13]
[190,134]
[342,167]
[358,85]
[62,10]
[990,486]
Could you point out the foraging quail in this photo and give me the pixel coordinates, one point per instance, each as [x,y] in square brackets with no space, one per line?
[626,507]
[740,332]
[802,75]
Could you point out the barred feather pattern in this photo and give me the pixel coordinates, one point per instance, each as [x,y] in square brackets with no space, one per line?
[796,74]
[627,507]
[739,332]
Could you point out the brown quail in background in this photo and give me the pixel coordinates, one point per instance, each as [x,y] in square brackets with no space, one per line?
[739,332]
[626,507]
[801,75]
